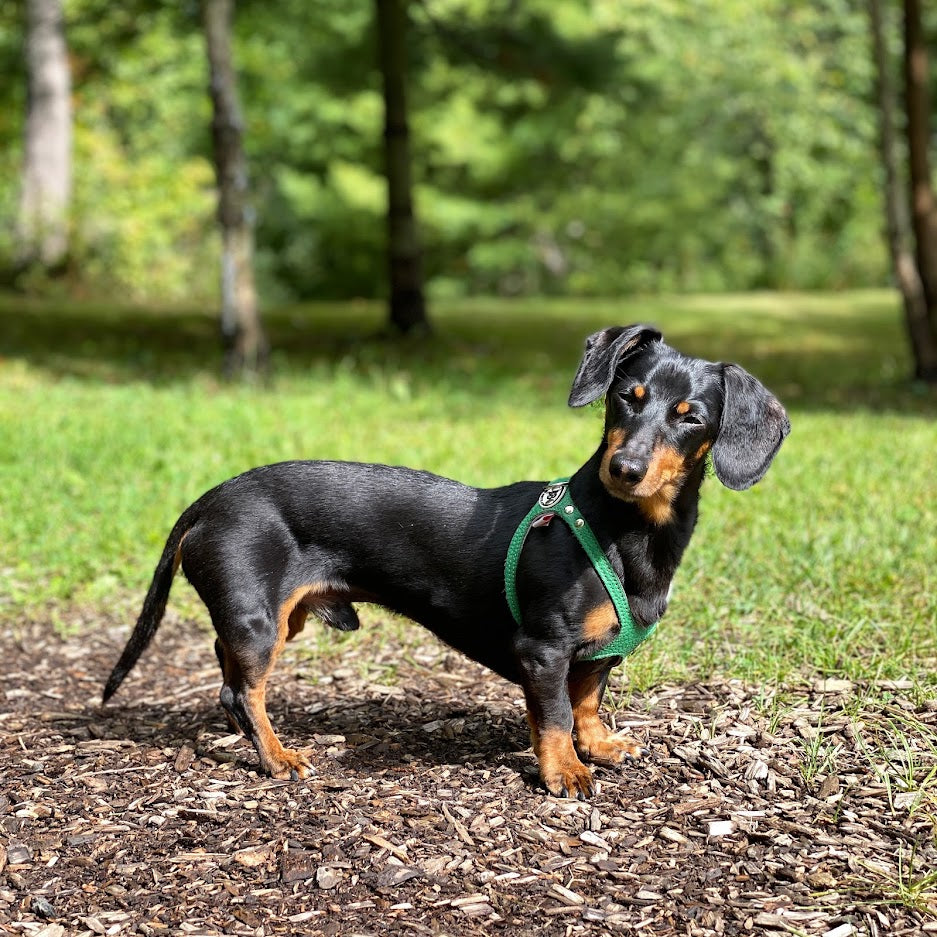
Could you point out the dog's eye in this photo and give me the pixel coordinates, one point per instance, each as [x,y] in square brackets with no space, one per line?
[634,394]
[686,415]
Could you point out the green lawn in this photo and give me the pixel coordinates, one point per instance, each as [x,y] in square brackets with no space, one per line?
[112,420]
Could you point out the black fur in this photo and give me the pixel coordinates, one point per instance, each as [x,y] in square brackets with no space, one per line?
[433,549]
[604,352]
[751,430]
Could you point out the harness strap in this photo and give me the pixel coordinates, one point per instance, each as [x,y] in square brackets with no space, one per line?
[555,501]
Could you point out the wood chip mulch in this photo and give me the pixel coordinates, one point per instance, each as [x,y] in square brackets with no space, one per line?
[424,815]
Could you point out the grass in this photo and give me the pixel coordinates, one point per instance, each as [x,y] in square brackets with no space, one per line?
[908,885]
[112,420]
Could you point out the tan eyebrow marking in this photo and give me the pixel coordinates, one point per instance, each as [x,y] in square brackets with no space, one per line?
[683,407]
[639,391]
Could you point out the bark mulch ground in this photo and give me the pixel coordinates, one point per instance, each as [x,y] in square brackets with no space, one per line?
[424,815]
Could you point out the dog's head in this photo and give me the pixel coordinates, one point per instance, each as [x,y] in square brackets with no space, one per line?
[664,412]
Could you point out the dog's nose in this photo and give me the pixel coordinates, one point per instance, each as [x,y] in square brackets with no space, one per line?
[628,468]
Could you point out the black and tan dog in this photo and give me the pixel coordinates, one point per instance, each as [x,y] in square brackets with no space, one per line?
[267,547]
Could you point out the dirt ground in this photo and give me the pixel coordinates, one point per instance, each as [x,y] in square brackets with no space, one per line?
[424,815]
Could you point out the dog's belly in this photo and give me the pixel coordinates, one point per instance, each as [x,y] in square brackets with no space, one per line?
[472,638]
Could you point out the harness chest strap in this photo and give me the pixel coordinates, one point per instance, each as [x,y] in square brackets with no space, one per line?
[555,501]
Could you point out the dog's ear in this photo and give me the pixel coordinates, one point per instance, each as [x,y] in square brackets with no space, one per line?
[604,352]
[751,430]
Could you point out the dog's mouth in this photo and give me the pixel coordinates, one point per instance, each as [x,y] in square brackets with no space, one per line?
[642,490]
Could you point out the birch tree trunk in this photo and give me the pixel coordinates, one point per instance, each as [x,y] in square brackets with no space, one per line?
[405,260]
[241,329]
[898,228]
[47,171]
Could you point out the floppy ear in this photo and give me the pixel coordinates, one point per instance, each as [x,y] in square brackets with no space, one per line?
[751,431]
[604,351]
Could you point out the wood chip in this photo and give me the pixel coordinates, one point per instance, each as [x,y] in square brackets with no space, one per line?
[718,828]
[184,759]
[253,856]
[565,895]
[844,930]
[672,835]
[383,843]
[327,878]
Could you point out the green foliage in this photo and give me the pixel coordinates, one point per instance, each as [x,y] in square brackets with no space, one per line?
[112,422]
[560,146]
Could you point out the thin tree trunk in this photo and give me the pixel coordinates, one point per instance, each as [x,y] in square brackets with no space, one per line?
[241,329]
[47,165]
[917,105]
[405,261]
[917,323]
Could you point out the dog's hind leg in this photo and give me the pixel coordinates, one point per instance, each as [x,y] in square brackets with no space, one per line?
[222,662]
[250,644]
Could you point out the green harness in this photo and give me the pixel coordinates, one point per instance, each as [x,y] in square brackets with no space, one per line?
[555,501]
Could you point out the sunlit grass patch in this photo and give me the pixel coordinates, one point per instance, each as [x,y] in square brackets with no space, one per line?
[113,420]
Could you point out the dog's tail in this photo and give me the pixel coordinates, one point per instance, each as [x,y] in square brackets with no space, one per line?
[154,605]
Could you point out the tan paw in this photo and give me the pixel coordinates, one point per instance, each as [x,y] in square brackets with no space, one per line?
[570,779]
[611,749]
[290,764]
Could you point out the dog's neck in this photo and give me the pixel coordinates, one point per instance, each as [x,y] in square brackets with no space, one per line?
[643,553]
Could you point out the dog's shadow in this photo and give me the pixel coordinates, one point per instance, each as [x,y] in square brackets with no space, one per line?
[393,734]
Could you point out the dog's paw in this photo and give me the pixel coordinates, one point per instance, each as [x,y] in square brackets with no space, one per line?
[572,779]
[561,771]
[290,765]
[612,749]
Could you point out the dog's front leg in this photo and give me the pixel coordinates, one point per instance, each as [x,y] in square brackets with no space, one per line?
[594,741]
[550,715]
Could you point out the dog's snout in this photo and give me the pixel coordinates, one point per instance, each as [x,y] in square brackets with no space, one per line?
[627,467]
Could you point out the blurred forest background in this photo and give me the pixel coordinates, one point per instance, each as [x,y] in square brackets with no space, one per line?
[558,146]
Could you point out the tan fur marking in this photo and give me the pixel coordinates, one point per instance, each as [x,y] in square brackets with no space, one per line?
[702,451]
[560,767]
[280,762]
[657,490]
[666,465]
[640,391]
[683,407]
[177,559]
[594,740]
[584,696]
[292,616]
[658,508]
[613,442]
[655,493]
[599,622]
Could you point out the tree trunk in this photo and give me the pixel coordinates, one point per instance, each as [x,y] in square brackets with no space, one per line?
[904,265]
[241,329]
[47,170]
[405,262]
[917,105]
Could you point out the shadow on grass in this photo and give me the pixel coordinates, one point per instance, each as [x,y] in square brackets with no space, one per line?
[825,353]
